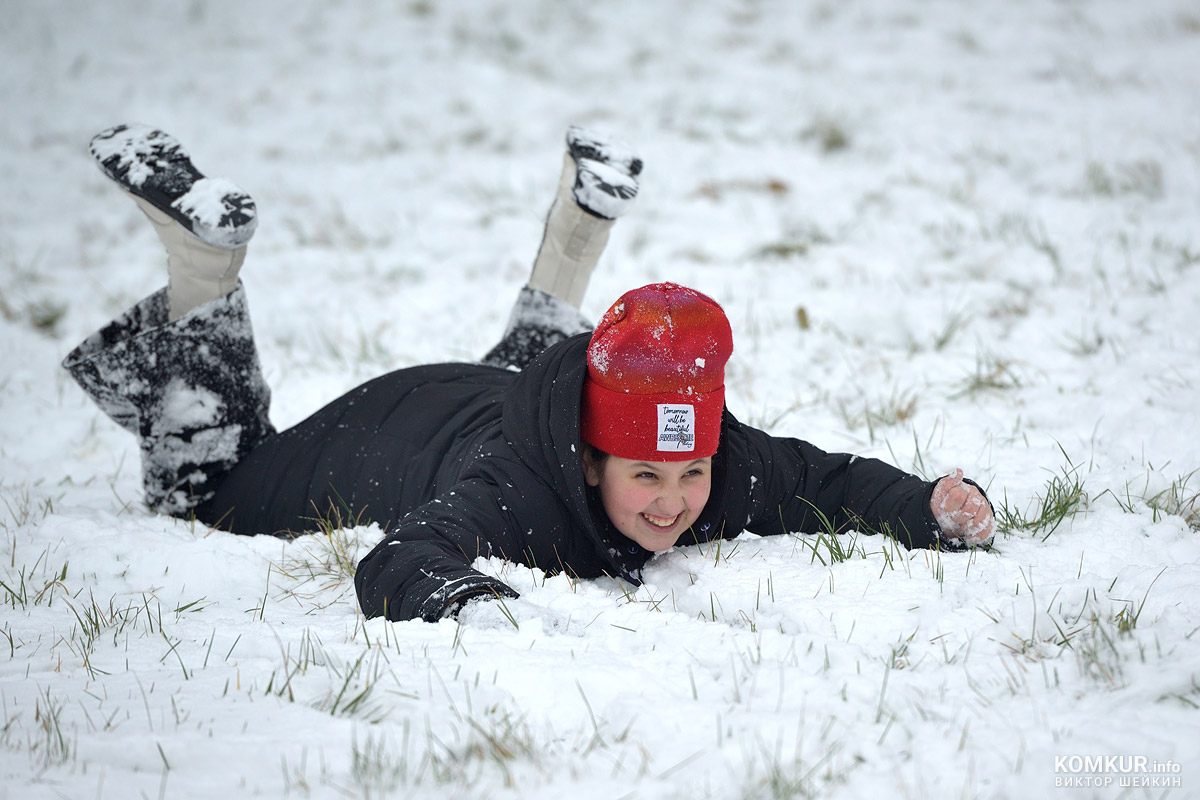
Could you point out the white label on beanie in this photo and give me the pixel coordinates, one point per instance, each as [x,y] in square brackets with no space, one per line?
[676,427]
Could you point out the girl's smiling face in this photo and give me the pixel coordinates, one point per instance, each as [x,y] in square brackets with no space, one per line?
[651,502]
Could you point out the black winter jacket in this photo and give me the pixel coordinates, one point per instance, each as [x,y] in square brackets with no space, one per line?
[502,476]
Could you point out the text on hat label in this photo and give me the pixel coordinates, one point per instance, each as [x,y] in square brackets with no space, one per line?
[676,427]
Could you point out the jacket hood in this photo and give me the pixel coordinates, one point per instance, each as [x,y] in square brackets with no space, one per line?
[541,424]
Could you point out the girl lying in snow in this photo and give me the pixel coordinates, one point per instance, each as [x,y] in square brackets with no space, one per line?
[606,447]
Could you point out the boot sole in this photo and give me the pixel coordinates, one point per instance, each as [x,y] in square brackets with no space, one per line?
[153,165]
[603,189]
[585,144]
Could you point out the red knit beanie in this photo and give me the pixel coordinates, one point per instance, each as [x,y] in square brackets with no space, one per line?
[655,386]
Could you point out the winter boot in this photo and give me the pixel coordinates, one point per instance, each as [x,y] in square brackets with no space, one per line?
[204,223]
[597,185]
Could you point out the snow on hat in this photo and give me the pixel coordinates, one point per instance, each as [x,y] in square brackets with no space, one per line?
[655,385]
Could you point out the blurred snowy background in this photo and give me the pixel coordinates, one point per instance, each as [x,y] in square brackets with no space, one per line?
[946,234]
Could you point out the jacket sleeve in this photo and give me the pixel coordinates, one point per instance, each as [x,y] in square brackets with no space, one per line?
[422,568]
[797,487]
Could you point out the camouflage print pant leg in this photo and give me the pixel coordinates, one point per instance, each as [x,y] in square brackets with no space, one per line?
[538,320]
[191,390]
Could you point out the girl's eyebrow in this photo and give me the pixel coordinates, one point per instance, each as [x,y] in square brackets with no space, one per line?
[654,465]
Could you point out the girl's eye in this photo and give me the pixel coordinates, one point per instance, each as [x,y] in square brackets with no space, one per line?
[645,475]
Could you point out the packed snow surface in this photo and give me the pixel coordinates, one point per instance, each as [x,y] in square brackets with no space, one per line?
[946,235]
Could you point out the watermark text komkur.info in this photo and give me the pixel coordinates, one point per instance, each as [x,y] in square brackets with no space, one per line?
[1121,771]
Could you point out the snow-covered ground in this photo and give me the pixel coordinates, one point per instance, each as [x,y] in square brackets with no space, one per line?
[947,234]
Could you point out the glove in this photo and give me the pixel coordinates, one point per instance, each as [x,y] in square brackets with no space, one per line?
[962,510]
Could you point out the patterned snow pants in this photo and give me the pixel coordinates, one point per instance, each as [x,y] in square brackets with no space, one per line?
[193,393]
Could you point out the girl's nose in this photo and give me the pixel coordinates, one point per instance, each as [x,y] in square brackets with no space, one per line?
[671,503]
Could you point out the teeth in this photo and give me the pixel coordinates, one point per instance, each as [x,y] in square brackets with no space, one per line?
[660,522]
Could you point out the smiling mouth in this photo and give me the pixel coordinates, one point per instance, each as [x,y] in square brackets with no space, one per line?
[661,522]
